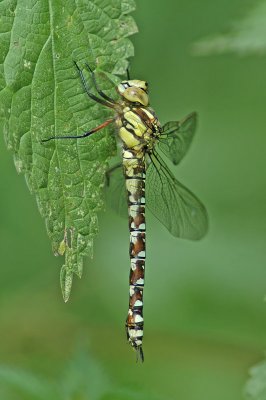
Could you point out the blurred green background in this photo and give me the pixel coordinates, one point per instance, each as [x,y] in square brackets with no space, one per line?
[205,315]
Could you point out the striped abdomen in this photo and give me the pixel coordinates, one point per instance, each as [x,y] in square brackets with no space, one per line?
[134,169]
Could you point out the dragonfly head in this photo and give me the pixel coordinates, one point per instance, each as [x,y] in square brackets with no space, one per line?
[134,91]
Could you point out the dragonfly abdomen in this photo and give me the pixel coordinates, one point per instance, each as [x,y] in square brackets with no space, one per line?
[134,169]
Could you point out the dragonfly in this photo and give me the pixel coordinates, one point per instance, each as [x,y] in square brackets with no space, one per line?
[143,177]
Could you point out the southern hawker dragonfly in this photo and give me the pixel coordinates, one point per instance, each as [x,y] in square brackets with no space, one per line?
[144,141]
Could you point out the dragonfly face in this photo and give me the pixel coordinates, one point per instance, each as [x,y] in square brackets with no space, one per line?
[134,91]
[146,179]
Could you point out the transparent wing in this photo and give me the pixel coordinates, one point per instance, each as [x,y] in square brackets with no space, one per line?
[173,204]
[177,137]
[115,193]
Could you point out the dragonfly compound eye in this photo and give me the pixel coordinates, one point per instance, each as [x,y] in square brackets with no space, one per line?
[136,95]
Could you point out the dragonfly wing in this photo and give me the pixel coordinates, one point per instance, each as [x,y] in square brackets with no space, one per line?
[172,203]
[115,193]
[177,137]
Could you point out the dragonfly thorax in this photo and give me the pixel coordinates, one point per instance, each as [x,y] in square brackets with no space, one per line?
[134,91]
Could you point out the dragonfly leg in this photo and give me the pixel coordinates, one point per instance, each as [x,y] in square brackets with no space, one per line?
[100,92]
[128,74]
[87,90]
[99,127]
[110,171]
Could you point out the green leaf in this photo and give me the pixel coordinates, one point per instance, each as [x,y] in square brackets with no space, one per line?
[27,384]
[256,386]
[41,96]
[246,37]
[82,377]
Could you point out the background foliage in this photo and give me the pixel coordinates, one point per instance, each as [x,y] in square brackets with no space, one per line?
[205,315]
[256,386]
[245,37]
